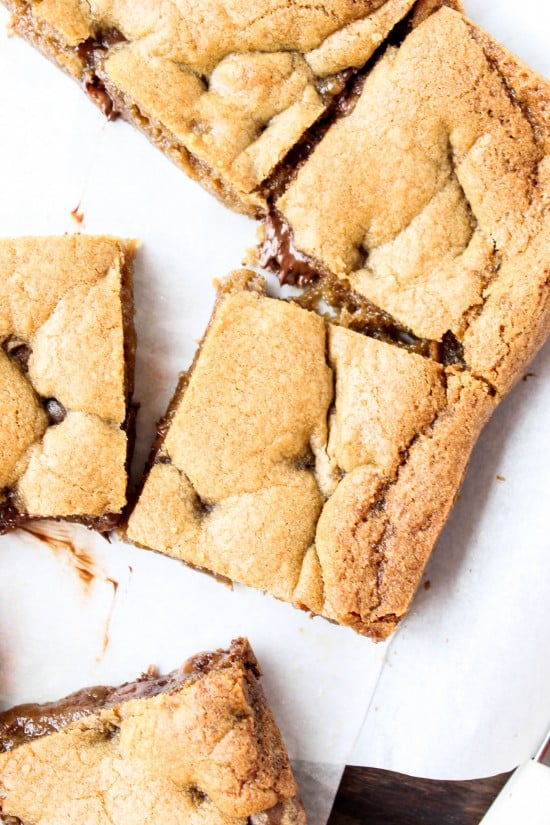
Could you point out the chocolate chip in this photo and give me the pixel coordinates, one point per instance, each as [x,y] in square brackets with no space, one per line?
[305,462]
[197,796]
[18,351]
[452,351]
[56,411]
[111,731]
[21,354]
[202,507]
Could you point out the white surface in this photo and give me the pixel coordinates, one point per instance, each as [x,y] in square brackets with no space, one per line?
[524,798]
[463,693]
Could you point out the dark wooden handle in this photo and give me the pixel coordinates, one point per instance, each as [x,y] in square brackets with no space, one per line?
[372,797]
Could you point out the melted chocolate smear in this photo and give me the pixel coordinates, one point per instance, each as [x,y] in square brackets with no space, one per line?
[102,42]
[31,721]
[279,253]
[90,53]
[11,518]
[77,215]
[287,169]
[83,563]
[55,409]
[98,93]
[106,637]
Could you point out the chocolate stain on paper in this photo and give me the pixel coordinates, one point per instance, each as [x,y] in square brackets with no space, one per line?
[84,565]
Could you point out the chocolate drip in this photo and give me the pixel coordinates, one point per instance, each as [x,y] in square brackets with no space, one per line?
[91,52]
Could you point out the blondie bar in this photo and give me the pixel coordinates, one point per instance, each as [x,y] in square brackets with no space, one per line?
[67,349]
[309,460]
[198,745]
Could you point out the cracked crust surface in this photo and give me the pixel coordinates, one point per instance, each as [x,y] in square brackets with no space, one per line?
[197,746]
[225,87]
[438,209]
[310,461]
[66,361]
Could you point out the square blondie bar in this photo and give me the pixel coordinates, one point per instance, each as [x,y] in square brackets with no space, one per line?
[309,460]
[67,348]
[198,745]
[224,88]
[438,209]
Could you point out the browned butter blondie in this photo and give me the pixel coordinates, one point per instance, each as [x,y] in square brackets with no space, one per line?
[309,460]
[67,348]
[224,87]
[199,745]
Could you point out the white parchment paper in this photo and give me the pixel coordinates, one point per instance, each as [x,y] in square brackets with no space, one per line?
[462,692]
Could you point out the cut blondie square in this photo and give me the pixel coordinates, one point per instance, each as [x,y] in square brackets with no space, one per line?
[308,460]
[199,745]
[226,87]
[67,348]
[438,208]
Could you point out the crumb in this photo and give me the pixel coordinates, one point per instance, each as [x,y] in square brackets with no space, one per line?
[529,375]
[427,584]
[501,478]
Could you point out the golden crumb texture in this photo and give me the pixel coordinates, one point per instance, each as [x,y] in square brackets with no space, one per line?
[310,461]
[206,752]
[66,335]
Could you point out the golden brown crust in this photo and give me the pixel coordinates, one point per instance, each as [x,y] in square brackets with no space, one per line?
[310,461]
[377,532]
[66,370]
[225,89]
[207,751]
[442,191]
